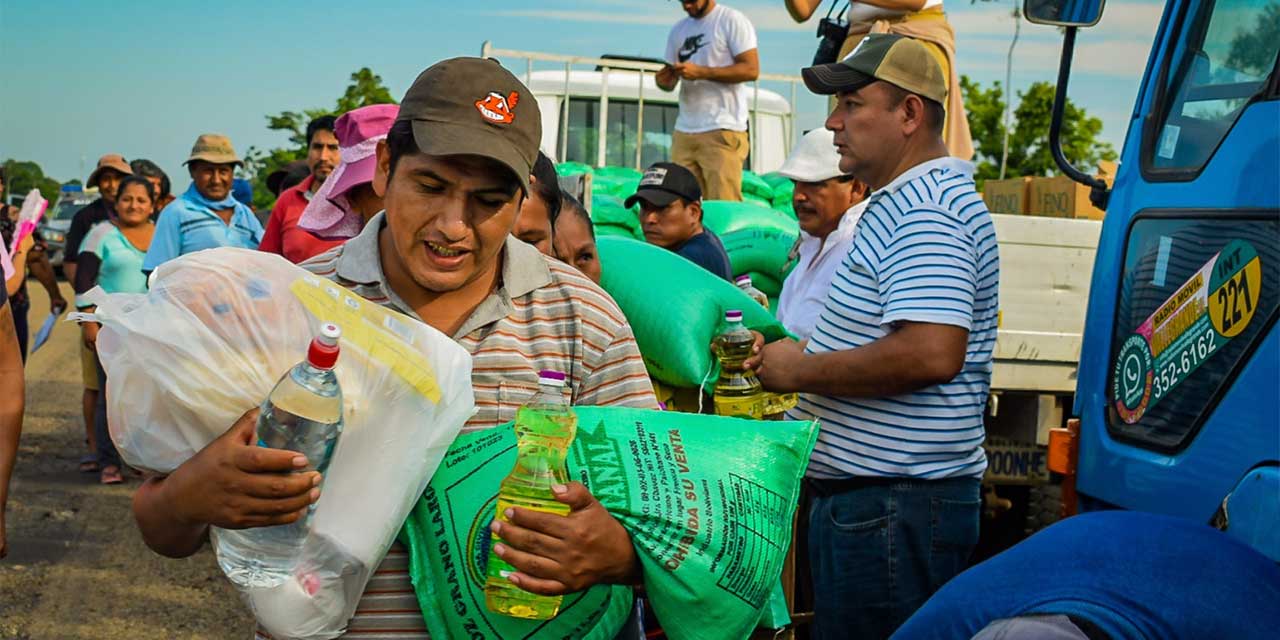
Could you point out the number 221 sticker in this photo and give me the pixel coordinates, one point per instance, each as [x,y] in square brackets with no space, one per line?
[1213,306]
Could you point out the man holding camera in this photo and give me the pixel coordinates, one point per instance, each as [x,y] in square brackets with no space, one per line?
[714,51]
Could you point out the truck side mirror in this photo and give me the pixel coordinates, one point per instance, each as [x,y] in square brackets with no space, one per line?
[1063,13]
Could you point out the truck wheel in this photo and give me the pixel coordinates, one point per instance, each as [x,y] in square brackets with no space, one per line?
[1044,507]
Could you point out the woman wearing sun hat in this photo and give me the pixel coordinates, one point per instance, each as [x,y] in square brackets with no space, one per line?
[346,200]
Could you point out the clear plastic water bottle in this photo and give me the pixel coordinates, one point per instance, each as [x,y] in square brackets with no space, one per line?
[302,413]
[545,427]
[744,282]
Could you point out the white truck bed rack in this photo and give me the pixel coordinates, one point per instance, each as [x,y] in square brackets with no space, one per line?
[762,100]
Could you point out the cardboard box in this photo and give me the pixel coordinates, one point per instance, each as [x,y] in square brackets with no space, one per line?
[1007,196]
[1061,197]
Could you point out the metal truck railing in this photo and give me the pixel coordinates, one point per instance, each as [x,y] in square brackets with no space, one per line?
[487,50]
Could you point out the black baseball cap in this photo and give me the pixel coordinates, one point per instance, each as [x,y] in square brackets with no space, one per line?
[665,182]
[474,106]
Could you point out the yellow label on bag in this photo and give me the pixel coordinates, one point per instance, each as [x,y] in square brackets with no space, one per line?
[383,335]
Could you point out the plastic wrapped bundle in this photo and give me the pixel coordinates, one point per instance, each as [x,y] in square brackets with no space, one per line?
[210,340]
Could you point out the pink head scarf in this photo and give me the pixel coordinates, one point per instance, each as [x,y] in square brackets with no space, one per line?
[329,213]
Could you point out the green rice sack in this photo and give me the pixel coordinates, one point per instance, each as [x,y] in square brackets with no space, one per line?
[775,180]
[708,502]
[783,190]
[754,185]
[608,210]
[616,181]
[767,284]
[572,168]
[761,250]
[723,217]
[675,308]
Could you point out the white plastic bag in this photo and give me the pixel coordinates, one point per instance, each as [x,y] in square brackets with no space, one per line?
[210,340]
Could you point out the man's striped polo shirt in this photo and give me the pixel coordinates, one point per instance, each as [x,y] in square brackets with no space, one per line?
[925,251]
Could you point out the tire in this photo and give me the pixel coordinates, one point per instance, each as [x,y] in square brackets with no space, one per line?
[1044,507]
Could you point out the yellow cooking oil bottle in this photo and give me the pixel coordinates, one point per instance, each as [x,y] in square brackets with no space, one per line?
[737,392]
[545,427]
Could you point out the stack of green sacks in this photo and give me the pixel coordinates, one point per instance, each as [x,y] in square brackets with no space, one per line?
[755,189]
[610,217]
[675,309]
[572,168]
[783,188]
[757,239]
[620,182]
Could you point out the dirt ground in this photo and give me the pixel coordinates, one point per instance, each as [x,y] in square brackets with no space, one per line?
[77,567]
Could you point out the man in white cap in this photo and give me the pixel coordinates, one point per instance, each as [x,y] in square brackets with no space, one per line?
[828,203]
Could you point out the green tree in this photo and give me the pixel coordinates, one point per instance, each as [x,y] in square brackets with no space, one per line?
[1254,52]
[365,89]
[1029,153]
[23,176]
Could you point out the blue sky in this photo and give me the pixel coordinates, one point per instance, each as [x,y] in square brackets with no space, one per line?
[145,77]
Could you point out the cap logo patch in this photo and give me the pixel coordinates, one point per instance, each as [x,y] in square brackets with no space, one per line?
[653,176]
[497,109]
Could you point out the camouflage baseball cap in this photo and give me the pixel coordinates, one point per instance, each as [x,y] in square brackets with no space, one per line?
[892,58]
[474,106]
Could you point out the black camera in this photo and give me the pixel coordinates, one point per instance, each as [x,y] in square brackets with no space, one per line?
[831,35]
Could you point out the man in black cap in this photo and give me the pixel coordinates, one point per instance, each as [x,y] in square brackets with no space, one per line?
[671,217]
[453,173]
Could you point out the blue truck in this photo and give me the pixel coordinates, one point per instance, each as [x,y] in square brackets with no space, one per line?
[1172,454]
[1177,407]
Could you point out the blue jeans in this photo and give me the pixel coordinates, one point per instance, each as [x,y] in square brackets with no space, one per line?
[878,552]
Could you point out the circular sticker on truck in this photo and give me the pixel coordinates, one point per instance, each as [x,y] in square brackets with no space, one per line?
[1234,288]
[1133,379]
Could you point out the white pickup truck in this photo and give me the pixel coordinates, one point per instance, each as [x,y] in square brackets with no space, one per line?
[624,91]
[1046,263]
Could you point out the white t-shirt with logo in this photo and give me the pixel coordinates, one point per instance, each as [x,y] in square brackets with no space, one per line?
[712,41]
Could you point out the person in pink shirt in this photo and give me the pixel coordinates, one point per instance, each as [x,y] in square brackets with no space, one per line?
[348,200]
[282,235]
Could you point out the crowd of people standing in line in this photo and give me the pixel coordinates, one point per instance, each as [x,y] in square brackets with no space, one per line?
[449,212]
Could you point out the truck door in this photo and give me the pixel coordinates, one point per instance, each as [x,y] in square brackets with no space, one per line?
[1178,380]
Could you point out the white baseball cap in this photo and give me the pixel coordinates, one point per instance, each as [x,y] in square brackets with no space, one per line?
[814,159]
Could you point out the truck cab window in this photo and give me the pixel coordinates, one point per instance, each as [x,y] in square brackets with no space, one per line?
[1224,60]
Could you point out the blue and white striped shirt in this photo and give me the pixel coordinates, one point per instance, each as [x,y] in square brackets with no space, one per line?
[925,251]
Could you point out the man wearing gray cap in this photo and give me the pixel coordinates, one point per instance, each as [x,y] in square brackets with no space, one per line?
[899,364]
[453,173]
[828,204]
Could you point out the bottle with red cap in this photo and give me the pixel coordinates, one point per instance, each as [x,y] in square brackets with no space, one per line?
[545,427]
[302,413]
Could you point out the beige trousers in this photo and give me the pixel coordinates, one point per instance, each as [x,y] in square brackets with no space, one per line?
[715,158]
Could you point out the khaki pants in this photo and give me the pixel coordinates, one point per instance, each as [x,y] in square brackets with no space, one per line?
[715,158]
